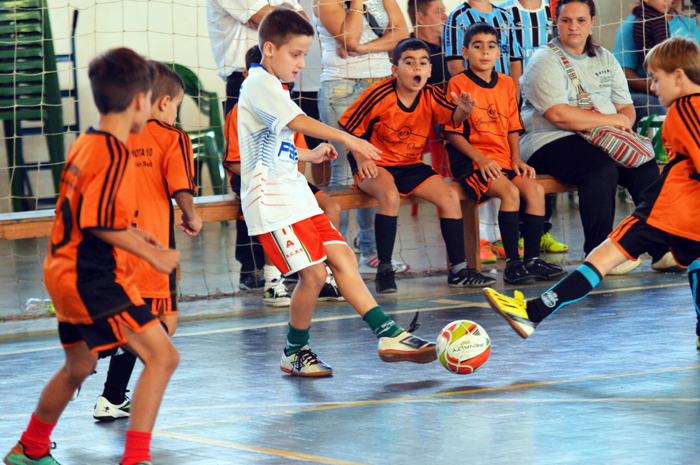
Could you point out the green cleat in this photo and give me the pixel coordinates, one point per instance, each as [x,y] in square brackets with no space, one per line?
[514,310]
[17,457]
[549,244]
[697,342]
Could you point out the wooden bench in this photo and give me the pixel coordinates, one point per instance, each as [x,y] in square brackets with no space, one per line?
[223,208]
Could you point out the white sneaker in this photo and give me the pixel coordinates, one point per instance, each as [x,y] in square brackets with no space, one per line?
[277,295]
[304,363]
[626,267]
[406,348]
[667,264]
[107,411]
[370,263]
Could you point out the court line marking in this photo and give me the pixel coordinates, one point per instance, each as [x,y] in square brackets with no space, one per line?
[264,450]
[554,401]
[355,315]
[432,396]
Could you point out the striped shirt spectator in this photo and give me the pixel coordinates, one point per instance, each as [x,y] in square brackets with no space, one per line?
[533,26]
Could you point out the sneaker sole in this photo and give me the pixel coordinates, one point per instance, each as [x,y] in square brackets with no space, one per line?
[109,419]
[331,299]
[319,374]
[473,286]
[513,324]
[277,303]
[425,355]
[388,291]
[554,277]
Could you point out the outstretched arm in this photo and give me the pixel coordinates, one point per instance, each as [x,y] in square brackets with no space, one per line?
[465,105]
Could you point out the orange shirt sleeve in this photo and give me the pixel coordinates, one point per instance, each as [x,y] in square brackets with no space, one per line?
[357,117]
[515,122]
[685,138]
[443,108]
[178,166]
[232,153]
[108,198]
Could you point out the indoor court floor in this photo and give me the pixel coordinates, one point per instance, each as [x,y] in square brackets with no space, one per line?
[613,379]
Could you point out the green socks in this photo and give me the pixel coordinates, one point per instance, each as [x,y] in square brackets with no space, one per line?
[296,339]
[381,324]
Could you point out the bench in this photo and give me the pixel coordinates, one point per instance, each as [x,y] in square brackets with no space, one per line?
[223,208]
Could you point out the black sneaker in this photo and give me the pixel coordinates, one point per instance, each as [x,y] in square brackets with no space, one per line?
[516,273]
[251,280]
[330,291]
[468,277]
[385,282]
[543,271]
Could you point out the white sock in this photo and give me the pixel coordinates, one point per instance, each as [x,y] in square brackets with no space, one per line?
[271,273]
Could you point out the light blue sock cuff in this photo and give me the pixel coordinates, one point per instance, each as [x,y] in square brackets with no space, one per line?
[694,266]
[590,274]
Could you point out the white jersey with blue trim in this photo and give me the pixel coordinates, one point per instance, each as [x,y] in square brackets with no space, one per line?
[274,194]
[533,28]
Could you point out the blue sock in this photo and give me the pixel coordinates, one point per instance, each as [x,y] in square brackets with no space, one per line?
[693,278]
[574,287]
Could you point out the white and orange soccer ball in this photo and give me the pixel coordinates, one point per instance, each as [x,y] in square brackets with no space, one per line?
[463,347]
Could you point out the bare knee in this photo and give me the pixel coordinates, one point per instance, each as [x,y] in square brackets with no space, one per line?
[314,276]
[77,372]
[449,204]
[534,196]
[169,359]
[389,201]
[510,198]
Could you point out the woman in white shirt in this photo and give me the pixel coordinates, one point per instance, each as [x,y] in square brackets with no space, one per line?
[551,117]
[356,37]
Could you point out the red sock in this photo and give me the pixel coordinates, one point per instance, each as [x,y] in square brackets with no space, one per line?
[137,450]
[35,439]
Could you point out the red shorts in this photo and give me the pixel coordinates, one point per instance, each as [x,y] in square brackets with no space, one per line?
[301,244]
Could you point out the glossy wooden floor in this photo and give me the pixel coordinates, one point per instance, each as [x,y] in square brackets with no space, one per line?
[613,379]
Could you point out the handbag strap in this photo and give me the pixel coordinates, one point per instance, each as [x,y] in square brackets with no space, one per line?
[584,100]
[371,20]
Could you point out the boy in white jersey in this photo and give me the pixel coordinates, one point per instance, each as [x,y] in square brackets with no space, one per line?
[282,212]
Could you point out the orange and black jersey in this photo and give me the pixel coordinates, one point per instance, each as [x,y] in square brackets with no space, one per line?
[86,277]
[164,166]
[495,116]
[379,117]
[672,203]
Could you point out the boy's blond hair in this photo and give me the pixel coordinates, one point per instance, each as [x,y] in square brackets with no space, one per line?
[675,53]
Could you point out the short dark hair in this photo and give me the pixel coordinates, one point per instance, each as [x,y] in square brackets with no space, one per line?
[281,26]
[117,76]
[479,28]
[591,47]
[253,55]
[406,45]
[414,6]
[167,82]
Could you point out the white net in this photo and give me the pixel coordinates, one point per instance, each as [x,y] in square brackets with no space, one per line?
[171,32]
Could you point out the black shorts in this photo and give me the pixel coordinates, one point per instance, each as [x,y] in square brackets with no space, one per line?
[475,185]
[106,333]
[634,237]
[167,306]
[407,178]
[314,190]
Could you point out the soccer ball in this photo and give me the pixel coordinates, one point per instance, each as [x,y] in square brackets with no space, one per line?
[463,347]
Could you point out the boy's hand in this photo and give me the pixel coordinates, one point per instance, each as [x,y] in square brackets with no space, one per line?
[367,169]
[191,226]
[324,152]
[465,102]
[362,149]
[489,168]
[164,260]
[148,238]
[523,170]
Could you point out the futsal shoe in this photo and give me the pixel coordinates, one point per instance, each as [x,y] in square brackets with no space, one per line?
[304,363]
[498,249]
[626,267]
[369,264]
[667,264]
[550,244]
[514,310]
[406,348]
[277,295]
[468,277]
[329,291]
[516,273]
[17,457]
[485,253]
[107,411]
[251,281]
[543,271]
[385,282]
[697,342]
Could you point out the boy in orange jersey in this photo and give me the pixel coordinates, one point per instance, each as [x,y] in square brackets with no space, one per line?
[668,216]
[396,115]
[485,156]
[248,249]
[164,170]
[86,273]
